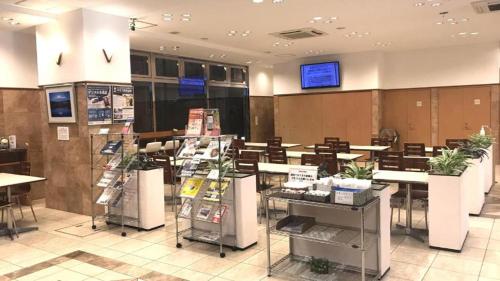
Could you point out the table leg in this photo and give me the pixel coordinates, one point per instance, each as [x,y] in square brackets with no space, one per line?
[408,229]
[408,209]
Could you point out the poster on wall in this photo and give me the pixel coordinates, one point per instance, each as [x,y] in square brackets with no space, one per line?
[99,104]
[61,104]
[123,104]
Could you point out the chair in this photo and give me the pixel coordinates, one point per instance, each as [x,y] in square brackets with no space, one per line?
[394,161]
[249,166]
[455,143]
[378,142]
[233,152]
[332,140]
[280,139]
[6,206]
[414,149]
[437,150]
[311,159]
[326,147]
[250,155]
[168,175]
[277,155]
[151,148]
[23,191]
[238,143]
[171,147]
[342,147]
[420,192]
[273,142]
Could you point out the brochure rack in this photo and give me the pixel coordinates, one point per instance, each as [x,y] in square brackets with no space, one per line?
[113,177]
[207,191]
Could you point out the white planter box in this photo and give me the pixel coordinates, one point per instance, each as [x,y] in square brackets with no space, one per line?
[448,212]
[474,178]
[488,170]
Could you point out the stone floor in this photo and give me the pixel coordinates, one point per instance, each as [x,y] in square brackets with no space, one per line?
[53,254]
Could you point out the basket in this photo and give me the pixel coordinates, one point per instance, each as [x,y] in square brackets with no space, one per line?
[352,197]
[317,198]
[295,224]
[289,195]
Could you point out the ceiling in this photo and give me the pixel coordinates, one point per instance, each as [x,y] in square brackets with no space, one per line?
[369,25]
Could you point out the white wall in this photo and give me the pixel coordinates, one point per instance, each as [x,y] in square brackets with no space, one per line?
[81,35]
[451,66]
[17,60]
[260,81]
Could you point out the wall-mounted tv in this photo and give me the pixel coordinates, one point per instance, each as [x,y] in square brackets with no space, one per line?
[61,105]
[320,75]
[191,86]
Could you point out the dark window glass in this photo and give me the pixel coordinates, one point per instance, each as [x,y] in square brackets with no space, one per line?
[233,105]
[218,73]
[172,106]
[238,75]
[139,65]
[167,67]
[143,107]
[194,70]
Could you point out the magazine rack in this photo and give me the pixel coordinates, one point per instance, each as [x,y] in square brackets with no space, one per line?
[207,191]
[113,178]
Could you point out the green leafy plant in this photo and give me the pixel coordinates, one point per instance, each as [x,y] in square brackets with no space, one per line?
[352,170]
[449,163]
[226,165]
[474,152]
[481,141]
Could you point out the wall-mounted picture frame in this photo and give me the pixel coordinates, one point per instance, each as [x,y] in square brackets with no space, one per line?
[61,104]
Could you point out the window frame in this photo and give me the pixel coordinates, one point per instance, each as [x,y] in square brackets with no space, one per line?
[144,54]
[153,67]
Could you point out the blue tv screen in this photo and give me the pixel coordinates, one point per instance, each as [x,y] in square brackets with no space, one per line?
[320,75]
[191,86]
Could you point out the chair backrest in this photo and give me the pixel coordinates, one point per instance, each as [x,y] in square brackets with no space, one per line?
[164,161]
[331,165]
[170,144]
[437,150]
[414,149]
[233,152]
[391,160]
[248,166]
[455,143]
[380,141]
[250,155]
[277,155]
[153,147]
[417,164]
[238,143]
[280,139]
[342,147]
[331,140]
[273,142]
[326,150]
[311,159]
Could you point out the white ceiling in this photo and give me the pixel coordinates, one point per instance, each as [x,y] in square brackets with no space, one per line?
[399,22]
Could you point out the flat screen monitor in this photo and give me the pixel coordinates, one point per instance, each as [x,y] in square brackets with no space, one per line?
[191,87]
[320,75]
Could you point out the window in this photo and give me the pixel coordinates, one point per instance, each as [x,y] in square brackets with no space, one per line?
[194,70]
[233,105]
[218,73]
[238,75]
[143,106]
[139,65]
[167,67]
[172,105]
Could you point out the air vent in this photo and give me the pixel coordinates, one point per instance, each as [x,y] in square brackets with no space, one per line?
[483,7]
[299,33]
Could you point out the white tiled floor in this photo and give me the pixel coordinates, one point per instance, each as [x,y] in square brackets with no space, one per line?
[411,260]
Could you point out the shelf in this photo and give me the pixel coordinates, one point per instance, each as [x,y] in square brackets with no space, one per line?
[298,268]
[199,235]
[373,202]
[332,235]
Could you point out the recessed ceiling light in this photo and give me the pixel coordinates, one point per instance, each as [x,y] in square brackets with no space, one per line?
[462,33]
[317,18]
[167,15]
[354,33]
[367,33]
[333,18]
[450,19]
[474,33]
[249,62]
[439,22]
[453,22]
[244,34]
[162,48]
[211,56]
[285,45]
[175,48]
[233,31]
[186,15]
[278,1]
[167,19]
[312,21]
[185,19]
[419,4]
[222,56]
[257,1]
[437,4]
[230,34]
[465,19]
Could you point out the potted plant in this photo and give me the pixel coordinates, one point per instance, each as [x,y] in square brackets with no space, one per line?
[485,142]
[352,170]
[448,207]
[475,177]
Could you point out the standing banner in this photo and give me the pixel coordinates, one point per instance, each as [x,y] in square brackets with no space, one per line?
[123,104]
[99,104]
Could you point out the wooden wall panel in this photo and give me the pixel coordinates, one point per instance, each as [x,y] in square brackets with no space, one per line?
[333,115]
[261,112]
[394,115]
[358,114]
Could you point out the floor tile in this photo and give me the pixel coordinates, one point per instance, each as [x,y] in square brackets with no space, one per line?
[457,265]
[468,253]
[492,257]
[65,275]
[244,272]
[182,258]
[435,274]
[88,269]
[413,256]
[155,251]
[406,271]
[164,268]
[212,265]
[111,275]
[191,275]
[490,270]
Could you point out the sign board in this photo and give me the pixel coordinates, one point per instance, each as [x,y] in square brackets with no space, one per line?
[99,104]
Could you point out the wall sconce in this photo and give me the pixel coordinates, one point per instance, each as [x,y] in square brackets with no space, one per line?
[59,59]
[106,56]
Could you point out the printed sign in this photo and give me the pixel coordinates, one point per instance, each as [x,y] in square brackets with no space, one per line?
[123,104]
[99,104]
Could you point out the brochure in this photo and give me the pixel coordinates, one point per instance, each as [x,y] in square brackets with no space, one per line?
[195,122]
[204,211]
[189,149]
[191,187]
[212,152]
[212,122]
[107,179]
[106,196]
[111,147]
[114,162]
[212,193]
[186,209]
[218,214]
[188,168]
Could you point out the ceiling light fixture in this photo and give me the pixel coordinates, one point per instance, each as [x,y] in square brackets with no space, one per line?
[162,48]
[211,56]
[419,4]
[167,15]
[185,19]
[167,18]
[437,4]
[222,56]
[257,1]
[439,22]
[278,1]
[465,19]
[317,18]
[176,48]
[186,15]
[474,33]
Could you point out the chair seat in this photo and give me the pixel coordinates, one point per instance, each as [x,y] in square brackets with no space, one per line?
[264,186]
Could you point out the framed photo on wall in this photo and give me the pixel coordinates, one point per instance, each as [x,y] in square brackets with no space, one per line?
[61,104]
[99,104]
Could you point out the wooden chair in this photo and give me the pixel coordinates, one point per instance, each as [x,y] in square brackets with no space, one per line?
[331,140]
[7,206]
[342,147]
[437,150]
[233,152]
[420,192]
[394,161]
[250,155]
[311,160]
[280,139]
[238,143]
[273,142]
[249,166]
[321,148]
[414,149]
[455,143]
[277,155]
[380,142]
[23,191]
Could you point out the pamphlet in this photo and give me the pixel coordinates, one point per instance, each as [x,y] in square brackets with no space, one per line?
[211,236]
[188,168]
[191,187]
[105,196]
[218,214]
[212,193]
[114,162]
[189,149]
[195,122]
[186,209]
[213,175]
[204,211]
[107,179]
[212,152]
[212,122]
[111,147]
